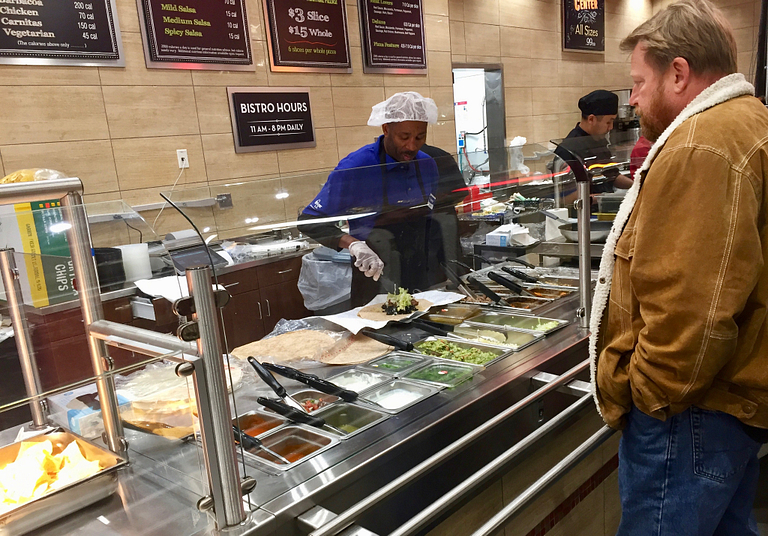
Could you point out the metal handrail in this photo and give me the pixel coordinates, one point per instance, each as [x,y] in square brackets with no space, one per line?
[483,474]
[142,341]
[545,482]
[354,512]
[27,192]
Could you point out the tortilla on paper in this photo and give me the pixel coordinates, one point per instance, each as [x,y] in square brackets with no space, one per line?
[287,347]
[376,313]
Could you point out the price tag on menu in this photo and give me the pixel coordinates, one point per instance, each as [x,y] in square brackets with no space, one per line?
[84,31]
[197,31]
[393,36]
[307,34]
[584,25]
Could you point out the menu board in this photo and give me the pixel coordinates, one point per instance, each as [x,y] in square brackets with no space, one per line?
[192,33]
[267,119]
[393,36]
[584,25]
[308,35]
[59,32]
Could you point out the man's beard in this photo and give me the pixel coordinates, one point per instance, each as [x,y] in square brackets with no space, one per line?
[657,117]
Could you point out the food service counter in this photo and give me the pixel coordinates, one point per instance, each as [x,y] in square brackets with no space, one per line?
[158,492]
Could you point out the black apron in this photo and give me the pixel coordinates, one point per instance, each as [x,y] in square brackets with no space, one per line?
[401,239]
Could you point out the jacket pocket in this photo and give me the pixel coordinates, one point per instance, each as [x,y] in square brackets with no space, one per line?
[619,314]
[721,448]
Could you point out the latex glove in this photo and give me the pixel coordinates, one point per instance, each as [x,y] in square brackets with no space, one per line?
[366,260]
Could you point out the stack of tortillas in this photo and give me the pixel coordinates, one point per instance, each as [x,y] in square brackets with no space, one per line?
[353,350]
[291,346]
[314,345]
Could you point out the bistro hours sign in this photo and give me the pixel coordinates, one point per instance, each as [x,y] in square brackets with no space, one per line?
[584,25]
[63,32]
[308,35]
[203,33]
[267,119]
[393,36]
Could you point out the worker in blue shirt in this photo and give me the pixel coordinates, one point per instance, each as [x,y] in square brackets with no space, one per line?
[386,192]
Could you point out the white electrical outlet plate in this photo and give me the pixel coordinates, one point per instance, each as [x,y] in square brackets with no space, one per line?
[181,156]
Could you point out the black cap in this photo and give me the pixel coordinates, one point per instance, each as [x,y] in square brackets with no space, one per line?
[599,102]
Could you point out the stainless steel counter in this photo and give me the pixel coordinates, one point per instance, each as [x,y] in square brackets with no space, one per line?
[158,492]
[560,247]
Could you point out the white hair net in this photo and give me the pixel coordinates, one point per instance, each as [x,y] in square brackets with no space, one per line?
[406,106]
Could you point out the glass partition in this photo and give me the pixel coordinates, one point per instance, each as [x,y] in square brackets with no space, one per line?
[283,248]
[156,406]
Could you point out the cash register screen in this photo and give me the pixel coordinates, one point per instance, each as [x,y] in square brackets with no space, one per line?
[195,256]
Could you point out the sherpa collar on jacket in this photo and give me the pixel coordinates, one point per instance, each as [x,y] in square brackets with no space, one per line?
[728,87]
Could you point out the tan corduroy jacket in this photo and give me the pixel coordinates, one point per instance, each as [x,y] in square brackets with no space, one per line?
[682,319]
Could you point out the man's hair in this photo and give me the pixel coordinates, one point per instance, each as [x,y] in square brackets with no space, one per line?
[691,29]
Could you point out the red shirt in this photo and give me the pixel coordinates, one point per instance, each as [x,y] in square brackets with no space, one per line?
[637,157]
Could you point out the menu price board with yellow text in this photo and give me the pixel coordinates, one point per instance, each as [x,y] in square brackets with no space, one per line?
[307,35]
[196,34]
[393,36]
[584,25]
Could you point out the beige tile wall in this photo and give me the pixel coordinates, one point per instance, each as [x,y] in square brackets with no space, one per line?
[118,128]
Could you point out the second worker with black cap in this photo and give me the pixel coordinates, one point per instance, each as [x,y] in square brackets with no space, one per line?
[587,139]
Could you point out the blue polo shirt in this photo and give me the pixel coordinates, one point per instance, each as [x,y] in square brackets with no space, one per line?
[356,186]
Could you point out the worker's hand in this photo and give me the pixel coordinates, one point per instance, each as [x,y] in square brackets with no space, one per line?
[366,260]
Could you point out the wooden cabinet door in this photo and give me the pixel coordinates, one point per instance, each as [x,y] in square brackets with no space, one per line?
[243,319]
[282,301]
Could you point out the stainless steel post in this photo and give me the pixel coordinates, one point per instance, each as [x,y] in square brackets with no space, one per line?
[23,341]
[583,214]
[90,302]
[213,406]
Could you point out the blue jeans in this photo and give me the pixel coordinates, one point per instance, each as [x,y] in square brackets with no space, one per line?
[694,474]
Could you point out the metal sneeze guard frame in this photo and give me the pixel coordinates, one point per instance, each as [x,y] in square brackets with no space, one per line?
[204,363]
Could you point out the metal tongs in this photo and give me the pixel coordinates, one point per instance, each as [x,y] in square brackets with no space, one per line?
[387,339]
[522,276]
[249,443]
[312,381]
[286,405]
[456,280]
[498,300]
[511,285]
[321,385]
[279,390]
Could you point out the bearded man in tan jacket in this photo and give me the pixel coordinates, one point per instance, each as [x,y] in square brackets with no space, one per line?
[680,320]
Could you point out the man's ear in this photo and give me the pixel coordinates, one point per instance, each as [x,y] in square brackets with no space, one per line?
[385,129]
[679,73]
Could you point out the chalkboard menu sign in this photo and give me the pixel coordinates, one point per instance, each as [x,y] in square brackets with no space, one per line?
[60,32]
[393,36]
[272,118]
[307,35]
[193,34]
[584,25]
